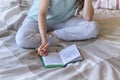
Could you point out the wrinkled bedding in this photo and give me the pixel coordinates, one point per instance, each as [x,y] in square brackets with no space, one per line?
[101,55]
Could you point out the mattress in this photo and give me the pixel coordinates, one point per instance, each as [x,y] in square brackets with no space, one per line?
[101,55]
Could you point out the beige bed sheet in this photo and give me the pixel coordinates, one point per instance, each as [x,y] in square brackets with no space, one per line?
[101,55]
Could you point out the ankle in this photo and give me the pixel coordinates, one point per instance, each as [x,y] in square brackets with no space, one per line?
[52,34]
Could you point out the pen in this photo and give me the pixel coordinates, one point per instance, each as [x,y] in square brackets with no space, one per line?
[43,48]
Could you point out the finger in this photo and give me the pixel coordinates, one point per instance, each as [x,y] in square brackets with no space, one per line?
[45,46]
[40,53]
[44,50]
[39,49]
[44,54]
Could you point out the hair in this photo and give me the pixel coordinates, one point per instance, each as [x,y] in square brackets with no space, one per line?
[80,5]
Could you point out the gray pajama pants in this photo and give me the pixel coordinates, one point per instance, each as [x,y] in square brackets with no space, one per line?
[76,28]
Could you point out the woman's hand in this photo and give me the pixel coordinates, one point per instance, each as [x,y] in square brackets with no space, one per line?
[42,50]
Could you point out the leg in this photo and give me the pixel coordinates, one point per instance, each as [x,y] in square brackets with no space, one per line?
[77,29]
[28,35]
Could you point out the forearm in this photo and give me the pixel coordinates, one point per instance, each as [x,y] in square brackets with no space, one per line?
[42,27]
[88,10]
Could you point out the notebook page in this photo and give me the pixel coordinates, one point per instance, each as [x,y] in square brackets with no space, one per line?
[52,59]
[70,53]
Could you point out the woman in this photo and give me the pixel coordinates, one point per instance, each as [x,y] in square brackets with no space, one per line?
[54,20]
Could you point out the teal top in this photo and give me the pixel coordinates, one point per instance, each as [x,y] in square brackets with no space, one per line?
[59,10]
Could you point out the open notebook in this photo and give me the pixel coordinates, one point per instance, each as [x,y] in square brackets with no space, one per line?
[62,58]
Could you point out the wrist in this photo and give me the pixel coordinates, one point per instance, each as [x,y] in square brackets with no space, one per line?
[43,38]
[44,41]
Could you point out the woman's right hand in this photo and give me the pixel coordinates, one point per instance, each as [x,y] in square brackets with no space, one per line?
[42,50]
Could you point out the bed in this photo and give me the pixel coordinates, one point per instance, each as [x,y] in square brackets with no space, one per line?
[101,55]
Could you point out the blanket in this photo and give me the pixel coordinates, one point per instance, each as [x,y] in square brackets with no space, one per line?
[101,55]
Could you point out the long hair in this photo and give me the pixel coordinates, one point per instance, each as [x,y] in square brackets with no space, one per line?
[80,5]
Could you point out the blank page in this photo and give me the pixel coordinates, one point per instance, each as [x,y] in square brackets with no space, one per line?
[52,59]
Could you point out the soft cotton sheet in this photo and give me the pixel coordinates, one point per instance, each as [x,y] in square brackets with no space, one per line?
[101,55]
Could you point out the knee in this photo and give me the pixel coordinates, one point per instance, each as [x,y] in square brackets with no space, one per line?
[94,29]
[23,39]
[20,39]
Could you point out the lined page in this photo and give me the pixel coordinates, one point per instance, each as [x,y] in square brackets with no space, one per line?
[70,53]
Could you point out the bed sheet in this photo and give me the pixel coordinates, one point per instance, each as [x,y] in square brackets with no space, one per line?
[101,55]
